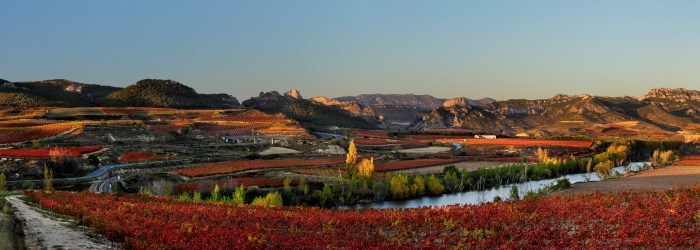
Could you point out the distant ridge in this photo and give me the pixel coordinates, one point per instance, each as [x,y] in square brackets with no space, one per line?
[660,114]
[147,92]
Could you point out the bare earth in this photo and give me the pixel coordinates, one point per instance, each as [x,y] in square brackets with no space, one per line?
[469,165]
[428,150]
[654,179]
[45,232]
[278,150]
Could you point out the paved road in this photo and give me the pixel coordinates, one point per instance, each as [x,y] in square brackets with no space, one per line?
[328,135]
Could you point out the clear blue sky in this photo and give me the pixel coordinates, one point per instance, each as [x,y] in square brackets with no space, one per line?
[500,49]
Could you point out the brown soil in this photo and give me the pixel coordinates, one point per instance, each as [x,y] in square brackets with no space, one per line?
[654,179]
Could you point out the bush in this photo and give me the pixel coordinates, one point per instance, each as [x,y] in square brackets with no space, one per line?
[663,158]
[270,200]
[603,169]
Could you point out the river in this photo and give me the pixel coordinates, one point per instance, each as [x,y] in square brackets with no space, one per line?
[481,196]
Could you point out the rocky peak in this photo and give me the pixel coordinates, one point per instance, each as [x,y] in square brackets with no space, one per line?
[269,95]
[460,102]
[74,88]
[293,94]
[678,95]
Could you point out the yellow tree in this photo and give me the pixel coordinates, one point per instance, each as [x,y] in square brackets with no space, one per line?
[351,159]
[366,167]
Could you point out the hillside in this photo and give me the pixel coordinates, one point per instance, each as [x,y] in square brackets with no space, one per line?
[151,93]
[658,115]
[401,109]
[167,93]
[306,111]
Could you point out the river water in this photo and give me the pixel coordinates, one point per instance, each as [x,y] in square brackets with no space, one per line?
[503,191]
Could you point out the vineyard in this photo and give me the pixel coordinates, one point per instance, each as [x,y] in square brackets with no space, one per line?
[203,186]
[23,134]
[516,142]
[246,165]
[142,156]
[46,153]
[690,160]
[377,142]
[410,164]
[657,219]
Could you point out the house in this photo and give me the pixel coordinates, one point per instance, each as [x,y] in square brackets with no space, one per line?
[490,137]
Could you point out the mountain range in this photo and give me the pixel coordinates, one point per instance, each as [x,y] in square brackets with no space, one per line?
[660,114]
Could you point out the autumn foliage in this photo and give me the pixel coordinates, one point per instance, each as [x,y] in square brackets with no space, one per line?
[654,219]
[46,153]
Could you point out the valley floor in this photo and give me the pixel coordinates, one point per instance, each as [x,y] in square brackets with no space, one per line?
[654,179]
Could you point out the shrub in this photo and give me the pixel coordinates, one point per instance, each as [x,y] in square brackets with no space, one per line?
[662,158]
[270,200]
[514,193]
[603,169]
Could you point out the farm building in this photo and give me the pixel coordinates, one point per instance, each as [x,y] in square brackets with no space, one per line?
[491,137]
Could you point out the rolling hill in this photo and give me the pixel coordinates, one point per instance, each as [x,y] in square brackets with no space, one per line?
[148,92]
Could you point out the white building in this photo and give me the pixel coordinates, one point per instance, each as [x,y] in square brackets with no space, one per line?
[490,137]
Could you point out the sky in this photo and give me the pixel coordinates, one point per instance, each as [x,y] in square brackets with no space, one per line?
[499,49]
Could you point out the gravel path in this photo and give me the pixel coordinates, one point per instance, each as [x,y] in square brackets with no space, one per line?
[42,231]
[654,179]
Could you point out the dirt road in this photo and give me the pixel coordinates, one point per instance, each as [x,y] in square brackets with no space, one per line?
[43,231]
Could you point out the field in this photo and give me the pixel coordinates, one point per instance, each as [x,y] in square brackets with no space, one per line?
[201,186]
[46,153]
[624,220]
[246,165]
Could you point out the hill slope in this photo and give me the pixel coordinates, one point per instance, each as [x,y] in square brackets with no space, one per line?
[307,111]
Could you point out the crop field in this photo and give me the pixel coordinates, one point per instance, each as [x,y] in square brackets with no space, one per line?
[129,157]
[202,186]
[246,165]
[22,134]
[46,153]
[410,164]
[657,219]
